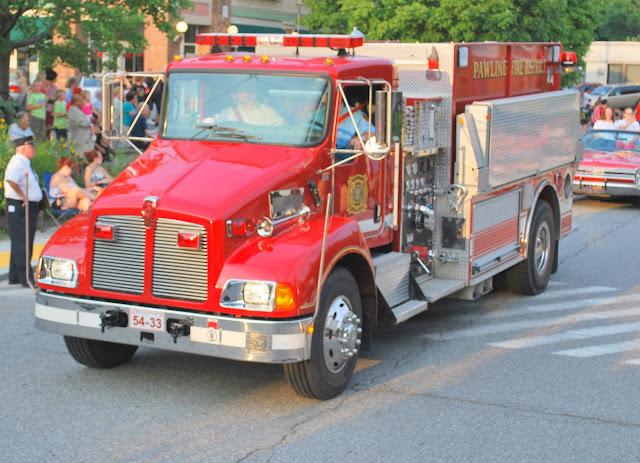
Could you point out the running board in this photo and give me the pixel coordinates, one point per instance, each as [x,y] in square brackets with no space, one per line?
[405,311]
[392,276]
[434,289]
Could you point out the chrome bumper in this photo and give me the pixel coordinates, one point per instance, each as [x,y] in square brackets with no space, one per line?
[265,341]
[605,188]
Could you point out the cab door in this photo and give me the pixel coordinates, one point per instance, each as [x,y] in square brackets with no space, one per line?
[361,185]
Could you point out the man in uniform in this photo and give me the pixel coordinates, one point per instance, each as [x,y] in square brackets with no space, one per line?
[20,181]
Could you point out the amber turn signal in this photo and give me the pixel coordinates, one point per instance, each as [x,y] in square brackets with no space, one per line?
[285,300]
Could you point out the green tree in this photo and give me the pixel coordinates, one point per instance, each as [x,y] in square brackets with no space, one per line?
[620,20]
[80,27]
[568,21]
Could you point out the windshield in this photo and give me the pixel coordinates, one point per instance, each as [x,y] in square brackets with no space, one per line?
[257,108]
[611,141]
[599,91]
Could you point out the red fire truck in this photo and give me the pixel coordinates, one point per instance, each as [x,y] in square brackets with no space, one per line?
[293,203]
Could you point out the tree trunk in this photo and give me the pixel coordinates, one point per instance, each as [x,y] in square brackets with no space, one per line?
[5,55]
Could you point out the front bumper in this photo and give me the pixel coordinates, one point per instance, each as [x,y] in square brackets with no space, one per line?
[265,341]
[605,187]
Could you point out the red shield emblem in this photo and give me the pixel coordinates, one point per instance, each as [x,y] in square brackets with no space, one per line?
[149,211]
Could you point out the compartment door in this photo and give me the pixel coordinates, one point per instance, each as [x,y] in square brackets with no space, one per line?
[495,230]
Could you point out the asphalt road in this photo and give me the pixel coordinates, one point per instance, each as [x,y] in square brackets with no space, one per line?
[549,378]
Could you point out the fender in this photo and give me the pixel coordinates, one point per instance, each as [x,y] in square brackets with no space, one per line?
[555,208]
[70,241]
[293,257]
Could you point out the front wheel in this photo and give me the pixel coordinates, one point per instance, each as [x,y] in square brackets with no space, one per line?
[99,354]
[532,275]
[335,341]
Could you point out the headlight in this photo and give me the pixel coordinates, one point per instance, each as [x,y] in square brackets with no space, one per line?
[244,294]
[637,177]
[58,271]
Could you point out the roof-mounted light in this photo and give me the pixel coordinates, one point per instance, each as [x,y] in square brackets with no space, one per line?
[285,40]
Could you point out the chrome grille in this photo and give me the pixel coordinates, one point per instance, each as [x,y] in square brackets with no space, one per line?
[119,265]
[179,273]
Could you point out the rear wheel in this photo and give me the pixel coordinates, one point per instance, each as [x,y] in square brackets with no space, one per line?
[98,354]
[335,341]
[532,275]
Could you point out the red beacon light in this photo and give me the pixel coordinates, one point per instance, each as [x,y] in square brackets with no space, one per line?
[104,231]
[285,40]
[189,240]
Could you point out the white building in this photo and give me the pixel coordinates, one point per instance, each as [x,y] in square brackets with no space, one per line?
[613,62]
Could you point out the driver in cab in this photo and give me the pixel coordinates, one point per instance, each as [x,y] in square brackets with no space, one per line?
[247,109]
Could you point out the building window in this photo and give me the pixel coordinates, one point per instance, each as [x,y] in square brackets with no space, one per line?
[133,62]
[632,73]
[615,76]
[189,40]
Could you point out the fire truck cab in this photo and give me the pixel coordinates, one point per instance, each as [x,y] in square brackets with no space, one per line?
[293,202]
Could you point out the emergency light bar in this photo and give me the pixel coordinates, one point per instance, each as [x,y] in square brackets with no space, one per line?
[285,40]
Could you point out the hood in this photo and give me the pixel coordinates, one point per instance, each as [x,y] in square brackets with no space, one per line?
[206,179]
[602,160]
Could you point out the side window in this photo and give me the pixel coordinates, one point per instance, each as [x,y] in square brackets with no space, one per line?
[358,100]
[630,90]
[614,92]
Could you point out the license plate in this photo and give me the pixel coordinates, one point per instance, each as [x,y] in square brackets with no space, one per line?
[147,320]
[594,188]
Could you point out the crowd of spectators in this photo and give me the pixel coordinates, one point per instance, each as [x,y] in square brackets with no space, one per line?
[73,116]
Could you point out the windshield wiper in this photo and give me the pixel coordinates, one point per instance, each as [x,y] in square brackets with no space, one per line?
[224,132]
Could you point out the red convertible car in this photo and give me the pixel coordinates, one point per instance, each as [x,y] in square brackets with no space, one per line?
[610,165]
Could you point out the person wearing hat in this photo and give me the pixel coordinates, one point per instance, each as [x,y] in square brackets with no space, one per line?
[21,186]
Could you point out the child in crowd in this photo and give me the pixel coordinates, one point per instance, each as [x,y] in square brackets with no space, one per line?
[36,105]
[60,115]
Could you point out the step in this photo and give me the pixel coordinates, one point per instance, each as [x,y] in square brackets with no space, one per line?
[407,310]
[437,288]
[392,276]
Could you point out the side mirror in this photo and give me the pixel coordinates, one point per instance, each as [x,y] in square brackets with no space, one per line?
[388,124]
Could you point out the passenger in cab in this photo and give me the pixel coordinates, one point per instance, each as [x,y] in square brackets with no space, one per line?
[347,137]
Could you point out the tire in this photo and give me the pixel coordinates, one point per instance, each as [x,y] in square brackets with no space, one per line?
[532,275]
[328,371]
[99,354]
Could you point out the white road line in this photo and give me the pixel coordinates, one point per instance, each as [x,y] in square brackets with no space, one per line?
[601,349]
[556,293]
[526,324]
[549,307]
[556,283]
[632,362]
[570,335]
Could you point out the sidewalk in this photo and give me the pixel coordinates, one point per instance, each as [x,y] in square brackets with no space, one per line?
[38,244]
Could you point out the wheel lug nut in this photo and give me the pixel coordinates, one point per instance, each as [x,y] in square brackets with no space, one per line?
[354,351]
[358,342]
[359,330]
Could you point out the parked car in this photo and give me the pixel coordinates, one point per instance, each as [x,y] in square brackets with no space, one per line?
[618,95]
[90,84]
[610,165]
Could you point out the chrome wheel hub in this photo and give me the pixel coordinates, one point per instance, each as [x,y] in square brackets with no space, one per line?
[542,247]
[341,334]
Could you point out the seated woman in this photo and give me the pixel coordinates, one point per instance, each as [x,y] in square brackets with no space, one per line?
[96,178]
[65,189]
